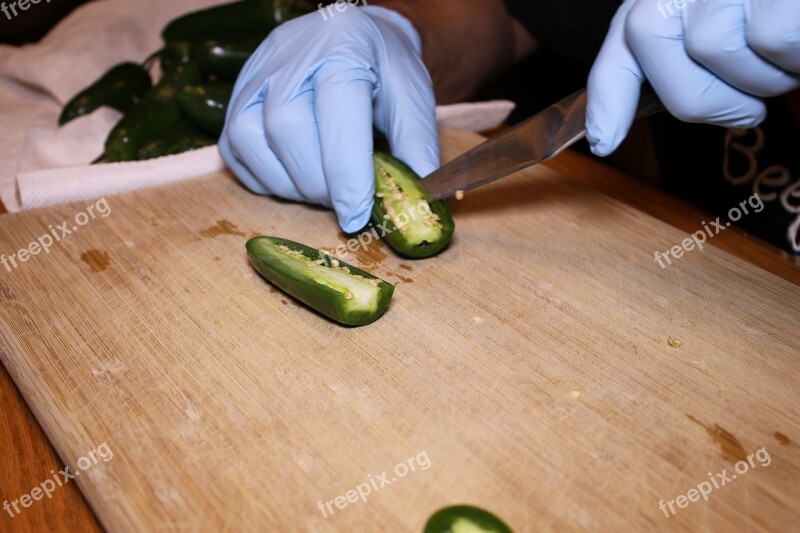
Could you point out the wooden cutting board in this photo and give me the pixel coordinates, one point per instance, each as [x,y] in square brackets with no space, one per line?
[544,367]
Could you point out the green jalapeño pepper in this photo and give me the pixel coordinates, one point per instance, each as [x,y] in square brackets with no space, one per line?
[178,138]
[142,122]
[224,58]
[221,59]
[155,112]
[465,519]
[416,225]
[206,105]
[235,18]
[119,88]
[335,289]
[175,54]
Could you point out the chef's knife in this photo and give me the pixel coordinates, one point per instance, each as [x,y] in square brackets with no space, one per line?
[537,139]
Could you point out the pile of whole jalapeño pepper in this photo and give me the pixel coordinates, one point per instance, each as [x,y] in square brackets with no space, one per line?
[202,55]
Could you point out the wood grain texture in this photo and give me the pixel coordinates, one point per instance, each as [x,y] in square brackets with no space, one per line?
[26,461]
[663,206]
[530,362]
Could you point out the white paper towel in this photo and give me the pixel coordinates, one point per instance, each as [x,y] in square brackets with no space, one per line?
[54,186]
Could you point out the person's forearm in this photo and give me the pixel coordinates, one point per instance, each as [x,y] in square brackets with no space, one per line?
[465,42]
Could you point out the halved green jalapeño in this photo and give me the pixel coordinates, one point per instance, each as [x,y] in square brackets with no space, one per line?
[415,224]
[465,519]
[333,288]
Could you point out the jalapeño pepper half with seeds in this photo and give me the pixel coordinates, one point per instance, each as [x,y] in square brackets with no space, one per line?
[333,288]
[416,225]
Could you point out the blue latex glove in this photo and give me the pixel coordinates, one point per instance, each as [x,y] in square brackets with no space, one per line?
[301,117]
[710,61]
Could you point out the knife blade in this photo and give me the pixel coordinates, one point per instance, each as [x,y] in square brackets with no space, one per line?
[537,139]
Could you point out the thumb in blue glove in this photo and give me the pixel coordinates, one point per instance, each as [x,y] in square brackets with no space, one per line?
[709,62]
[302,112]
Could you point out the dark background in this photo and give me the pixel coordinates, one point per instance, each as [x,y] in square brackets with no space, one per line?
[31,25]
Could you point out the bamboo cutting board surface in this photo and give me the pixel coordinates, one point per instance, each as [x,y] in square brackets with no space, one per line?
[526,370]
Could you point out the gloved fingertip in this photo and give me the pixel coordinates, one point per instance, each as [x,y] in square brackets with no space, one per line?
[417,147]
[609,113]
[758,116]
[354,218]
[424,164]
[352,224]
[602,142]
[601,149]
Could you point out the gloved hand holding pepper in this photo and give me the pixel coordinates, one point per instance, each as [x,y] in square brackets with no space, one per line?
[300,121]
[710,61]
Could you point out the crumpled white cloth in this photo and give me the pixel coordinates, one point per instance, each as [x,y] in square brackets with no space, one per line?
[43,165]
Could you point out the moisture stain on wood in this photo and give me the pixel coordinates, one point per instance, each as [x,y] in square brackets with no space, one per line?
[217,258]
[401,278]
[781,438]
[730,447]
[222,227]
[371,255]
[406,267]
[6,293]
[97,260]
[291,301]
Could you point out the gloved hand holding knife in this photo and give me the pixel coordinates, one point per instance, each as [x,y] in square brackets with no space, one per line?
[711,61]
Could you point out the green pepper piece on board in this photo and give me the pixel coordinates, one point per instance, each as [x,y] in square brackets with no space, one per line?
[206,104]
[234,18]
[119,88]
[416,225]
[333,288]
[465,519]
